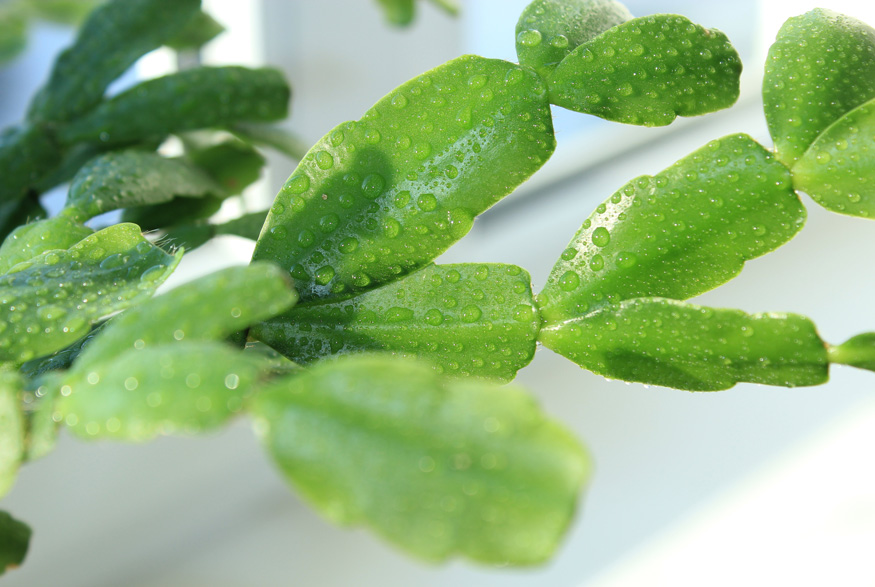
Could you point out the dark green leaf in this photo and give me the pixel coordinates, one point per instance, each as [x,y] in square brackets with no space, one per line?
[196,98]
[30,240]
[27,155]
[280,139]
[158,216]
[14,540]
[858,351]
[50,301]
[178,387]
[232,163]
[17,212]
[466,319]
[11,431]
[838,169]
[398,12]
[113,37]
[385,195]
[679,233]
[437,466]
[134,178]
[648,71]
[821,67]
[208,309]
[200,29]
[680,345]
[548,30]
[192,236]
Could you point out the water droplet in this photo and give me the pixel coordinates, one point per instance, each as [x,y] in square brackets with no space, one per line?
[398,314]
[324,275]
[451,171]
[523,313]
[399,100]
[434,317]
[373,185]
[391,227]
[597,263]
[453,276]
[626,260]
[481,273]
[324,160]
[348,245]
[601,237]
[372,136]
[232,380]
[529,38]
[569,281]
[477,81]
[306,238]
[559,41]
[427,202]
[471,313]
[329,222]
[297,184]
[131,383]
[625,89]
[421,150]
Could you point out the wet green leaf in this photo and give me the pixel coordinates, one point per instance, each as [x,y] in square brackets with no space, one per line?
[14,540]
[11,430]
[134,178]
[50,301]
[466,319]
[858,351]
[113,37]
[681,345]
[648,71]
[438,466]
[821,66]
[548,30]
[29,240]
[178,387]
[838,169]
[207,309]
[679,233]
[382,196]
[196,98]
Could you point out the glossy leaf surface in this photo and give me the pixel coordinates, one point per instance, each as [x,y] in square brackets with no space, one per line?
[181,387]
[681,345]
[11,430]
[548,30]
[466,319]
[679,233]
[858,351]
[437,466]
[821,67]
[14,541]
[134,178]
[51,301]
[196,98]
[30,240]
[838,169]
[114,36]
[648,71]
[207,309]
[382,196]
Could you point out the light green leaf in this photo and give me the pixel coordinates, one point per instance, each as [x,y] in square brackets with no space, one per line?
[821,66]
[398,12]
[14,540]
[13,30]
[838,169]
[200,30]
[180,387]
[206,309]
[113,37]
[30,240]
[648,71]
[382,196]
[11,430]
[134,178]
[50,301]
[858,351]
[681,345]
[466,319]
[437,466]
[679,233]
[196,98]
[548,30]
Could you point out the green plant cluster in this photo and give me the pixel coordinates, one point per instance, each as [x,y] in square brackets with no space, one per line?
[372,375]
